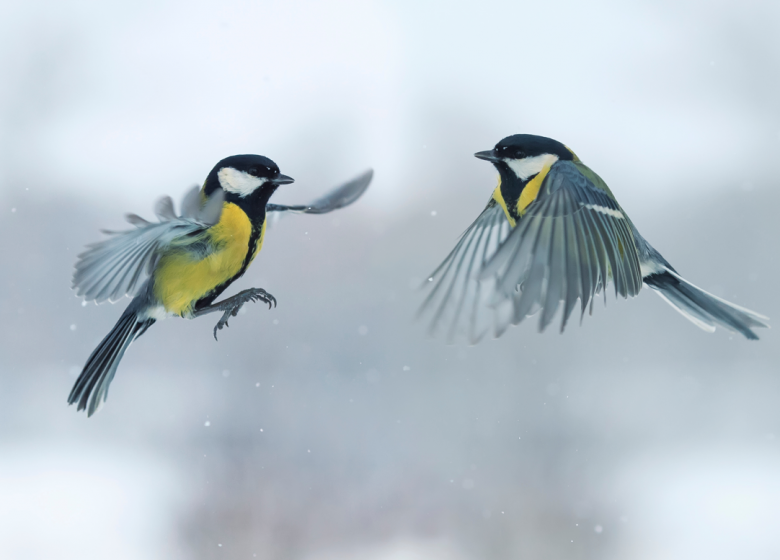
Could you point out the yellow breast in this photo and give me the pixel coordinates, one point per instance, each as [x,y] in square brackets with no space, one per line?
[181,278]
[531,189]
[527,195]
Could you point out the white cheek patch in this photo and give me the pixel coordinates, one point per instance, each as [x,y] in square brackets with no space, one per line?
[528,167]
[238,182]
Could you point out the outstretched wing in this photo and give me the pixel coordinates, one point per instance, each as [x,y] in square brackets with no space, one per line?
[119,265]
[572,240]
[458,299]
[339,197]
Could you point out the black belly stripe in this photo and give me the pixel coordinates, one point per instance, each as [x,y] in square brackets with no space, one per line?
[257,229]
[511,190]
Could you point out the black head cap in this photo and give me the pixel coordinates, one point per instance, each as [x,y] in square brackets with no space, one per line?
[259,166]
[520,146]
[242,168]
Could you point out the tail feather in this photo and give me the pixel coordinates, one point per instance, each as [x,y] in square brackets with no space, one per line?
[99,360]
[91,388]
[703,309]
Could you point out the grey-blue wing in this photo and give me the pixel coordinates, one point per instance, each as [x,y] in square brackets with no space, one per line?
[571,241]
[120,265]
[459,300]
[341,196]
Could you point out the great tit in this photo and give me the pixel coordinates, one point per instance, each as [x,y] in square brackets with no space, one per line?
[553,233]
[181,264]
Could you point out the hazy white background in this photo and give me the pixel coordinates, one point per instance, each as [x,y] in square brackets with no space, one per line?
[340,431]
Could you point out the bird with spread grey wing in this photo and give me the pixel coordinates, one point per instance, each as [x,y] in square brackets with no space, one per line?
[179,265]
[551,234]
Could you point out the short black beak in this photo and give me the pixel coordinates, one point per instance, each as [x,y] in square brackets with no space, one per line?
[488,155]
[282,180]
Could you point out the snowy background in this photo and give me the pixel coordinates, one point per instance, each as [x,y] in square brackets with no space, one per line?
[332,428]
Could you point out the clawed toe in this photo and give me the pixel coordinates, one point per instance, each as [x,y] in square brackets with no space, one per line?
[223,322]
[259,294]
[236,302]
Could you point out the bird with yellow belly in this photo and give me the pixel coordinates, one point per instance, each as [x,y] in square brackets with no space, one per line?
[180,265]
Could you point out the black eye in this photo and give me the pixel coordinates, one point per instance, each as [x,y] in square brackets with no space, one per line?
[253,171]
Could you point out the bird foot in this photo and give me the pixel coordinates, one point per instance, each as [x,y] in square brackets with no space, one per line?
[232,305]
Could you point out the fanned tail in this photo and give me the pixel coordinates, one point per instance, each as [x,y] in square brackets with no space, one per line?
[91,388]
[703,309]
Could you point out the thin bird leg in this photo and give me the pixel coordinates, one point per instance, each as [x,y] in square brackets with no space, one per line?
[232,305]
